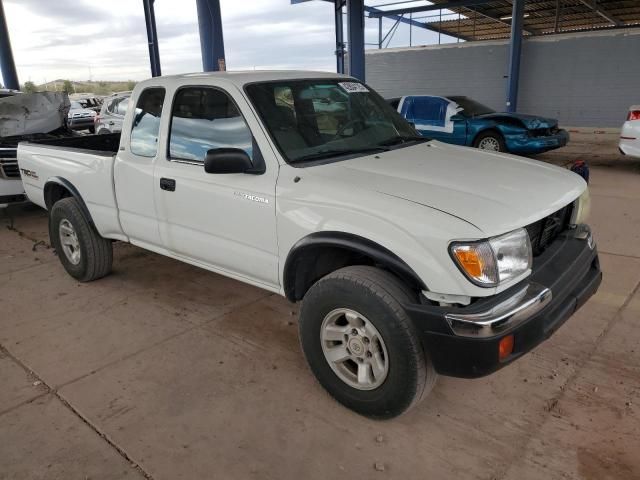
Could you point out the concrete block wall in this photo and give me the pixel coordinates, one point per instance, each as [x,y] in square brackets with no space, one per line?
[582,79]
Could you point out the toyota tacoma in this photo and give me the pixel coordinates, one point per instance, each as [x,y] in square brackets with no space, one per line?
[410,257]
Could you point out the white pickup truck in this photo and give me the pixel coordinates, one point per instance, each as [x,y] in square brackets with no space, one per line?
[411,257]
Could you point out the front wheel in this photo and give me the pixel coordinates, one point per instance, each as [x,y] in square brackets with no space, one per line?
[84,254]
[491,141]
[360,343]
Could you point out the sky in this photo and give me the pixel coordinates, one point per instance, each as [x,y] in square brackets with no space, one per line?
[106,40]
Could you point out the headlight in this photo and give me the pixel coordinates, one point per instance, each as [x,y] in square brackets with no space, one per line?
[488,263]
[582,208]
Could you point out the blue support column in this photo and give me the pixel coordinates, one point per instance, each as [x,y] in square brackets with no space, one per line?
[515,49]
[339,36]
[152,37]
[9,74]
[355,23]
[211,38]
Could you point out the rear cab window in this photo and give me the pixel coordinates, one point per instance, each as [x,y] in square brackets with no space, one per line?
[146,122]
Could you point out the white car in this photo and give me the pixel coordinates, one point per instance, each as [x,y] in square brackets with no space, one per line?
[411,257]
[630,135]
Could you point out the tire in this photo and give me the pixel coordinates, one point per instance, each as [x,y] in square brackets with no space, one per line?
[94,254]
[92,130]
[376,296]
[491,141]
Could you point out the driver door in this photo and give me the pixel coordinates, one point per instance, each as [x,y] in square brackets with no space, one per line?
[226,222]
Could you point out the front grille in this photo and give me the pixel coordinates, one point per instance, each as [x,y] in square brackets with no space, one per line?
[9,163]
[545,231]
[544,132]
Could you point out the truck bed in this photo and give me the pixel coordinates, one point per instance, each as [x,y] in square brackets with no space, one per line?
[102,144]
[83,164]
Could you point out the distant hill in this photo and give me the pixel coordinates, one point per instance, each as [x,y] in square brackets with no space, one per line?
[89,86]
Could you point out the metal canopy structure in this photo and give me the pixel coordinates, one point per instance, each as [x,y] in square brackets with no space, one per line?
[492,19]
[211,41]
[471,20]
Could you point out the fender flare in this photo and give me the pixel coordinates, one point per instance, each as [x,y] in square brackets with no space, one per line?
[348,242]
[66,184]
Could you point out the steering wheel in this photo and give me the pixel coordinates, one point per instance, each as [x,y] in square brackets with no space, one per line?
[341,130]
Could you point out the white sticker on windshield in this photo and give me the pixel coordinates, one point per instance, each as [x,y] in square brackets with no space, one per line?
[353,87]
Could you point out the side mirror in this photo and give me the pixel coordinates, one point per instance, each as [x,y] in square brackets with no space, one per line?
[227,160]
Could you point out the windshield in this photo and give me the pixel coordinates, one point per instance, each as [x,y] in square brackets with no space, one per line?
[470,107]
[329,118]
[76,105]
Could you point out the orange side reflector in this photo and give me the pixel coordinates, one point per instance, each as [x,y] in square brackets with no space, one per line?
[505,348]
[470,261]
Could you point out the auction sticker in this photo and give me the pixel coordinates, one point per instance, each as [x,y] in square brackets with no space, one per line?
[353,87]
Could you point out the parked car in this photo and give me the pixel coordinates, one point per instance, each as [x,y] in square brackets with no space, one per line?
[463,121]
[413,257]
[112,113]
[630,135]
[81,118]
[26,116]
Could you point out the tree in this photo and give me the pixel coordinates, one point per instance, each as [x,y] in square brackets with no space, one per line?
[29,87]
[67,86]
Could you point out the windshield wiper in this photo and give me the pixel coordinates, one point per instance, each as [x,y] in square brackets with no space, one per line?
[337,152]
[404,139]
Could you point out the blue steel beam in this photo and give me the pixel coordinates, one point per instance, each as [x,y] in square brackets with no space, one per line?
[152,37]
[9,74]
[211,38]
[339,36]
[355,24]
[377,13]
[515,49]
[429,8]
[373,11]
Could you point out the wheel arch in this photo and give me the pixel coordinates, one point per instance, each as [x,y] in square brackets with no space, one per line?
[57,188]
[488,129]
[321,253]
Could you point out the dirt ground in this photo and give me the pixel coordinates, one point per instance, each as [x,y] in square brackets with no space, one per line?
[165,371]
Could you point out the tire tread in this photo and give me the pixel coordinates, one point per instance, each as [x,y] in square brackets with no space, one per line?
[98,250]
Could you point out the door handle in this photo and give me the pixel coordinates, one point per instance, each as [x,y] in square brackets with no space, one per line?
[168,184]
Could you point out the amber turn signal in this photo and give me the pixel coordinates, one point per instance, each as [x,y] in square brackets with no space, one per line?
[470,261]
[505,347]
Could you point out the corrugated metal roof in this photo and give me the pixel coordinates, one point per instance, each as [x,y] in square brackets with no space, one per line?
[492,20]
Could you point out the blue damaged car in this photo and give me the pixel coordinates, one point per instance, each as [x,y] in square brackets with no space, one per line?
[463,121]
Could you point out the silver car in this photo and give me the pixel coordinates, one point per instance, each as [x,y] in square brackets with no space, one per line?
[112,113]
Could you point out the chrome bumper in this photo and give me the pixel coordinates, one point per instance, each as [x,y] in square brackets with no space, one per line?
[508,314]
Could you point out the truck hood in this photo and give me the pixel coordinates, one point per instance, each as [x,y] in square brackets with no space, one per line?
[494,192]
[531,122]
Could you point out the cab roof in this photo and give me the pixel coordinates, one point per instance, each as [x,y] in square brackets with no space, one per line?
[241,78]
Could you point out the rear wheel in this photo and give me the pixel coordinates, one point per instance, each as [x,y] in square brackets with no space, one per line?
[360,343]
[491,141]
[84,254]
[92,129]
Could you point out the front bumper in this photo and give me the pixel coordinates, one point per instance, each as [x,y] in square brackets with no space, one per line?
[525,145]
[463,341]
